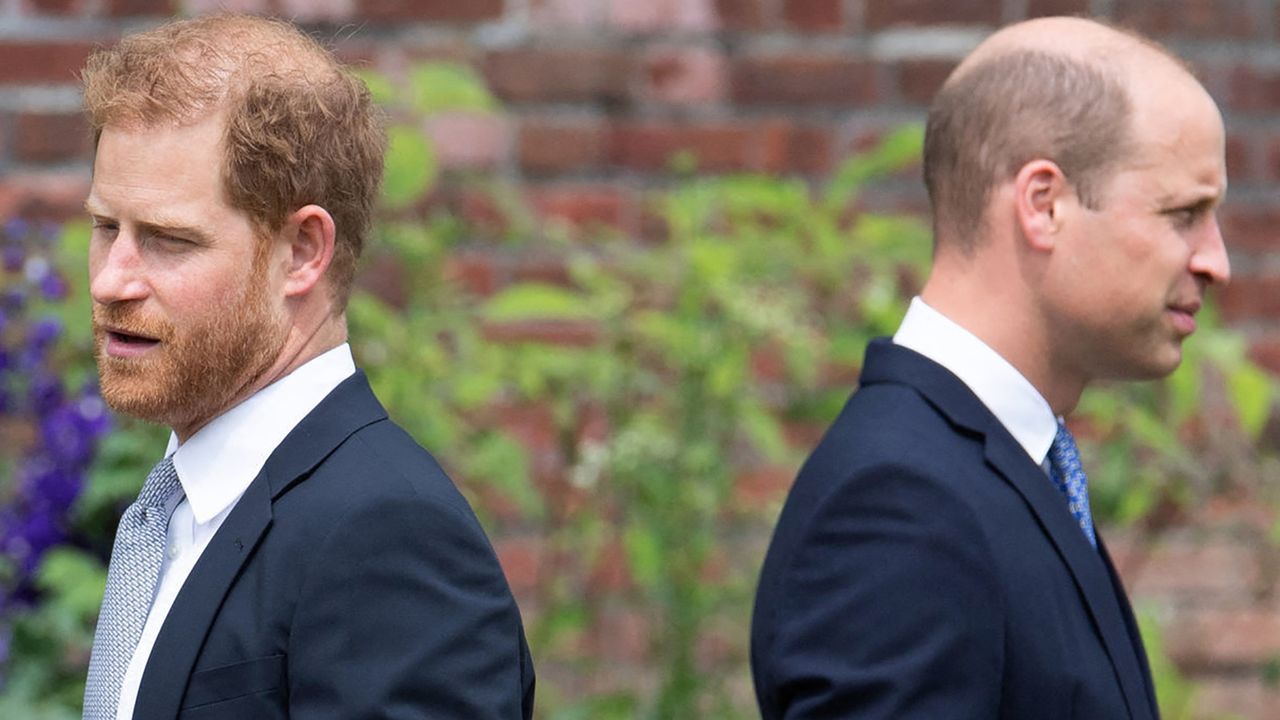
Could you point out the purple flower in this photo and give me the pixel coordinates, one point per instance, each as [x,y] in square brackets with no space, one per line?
[14,256]
[67,437]
[53,287]
[46,393]
[94,418]
[13,300]
[16,228]
[42,334]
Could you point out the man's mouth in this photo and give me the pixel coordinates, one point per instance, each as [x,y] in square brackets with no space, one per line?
[1184,316]
[124,344]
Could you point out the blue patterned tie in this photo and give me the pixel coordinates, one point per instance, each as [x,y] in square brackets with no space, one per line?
[1068,475]
[131,586]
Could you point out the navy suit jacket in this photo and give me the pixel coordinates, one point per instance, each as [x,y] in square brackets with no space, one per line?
[924,566]
[350,581]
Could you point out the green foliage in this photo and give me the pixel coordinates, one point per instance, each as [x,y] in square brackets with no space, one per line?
[411,167]
[753,266]
[1174,694]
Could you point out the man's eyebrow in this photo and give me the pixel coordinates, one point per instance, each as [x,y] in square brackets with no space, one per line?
[159,224]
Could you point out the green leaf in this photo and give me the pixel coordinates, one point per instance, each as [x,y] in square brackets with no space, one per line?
[76,578]
[765,432]
[644,553]
[537,301]
[897,150]
[411,167]
[500,462]
[448,87]
[1251,393]
[380,87]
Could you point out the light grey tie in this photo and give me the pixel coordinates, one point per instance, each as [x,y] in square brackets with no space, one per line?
[131,586]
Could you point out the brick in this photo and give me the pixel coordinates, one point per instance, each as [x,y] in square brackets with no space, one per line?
[475,272]
[611,572]
[205,7]
[559,15]
[792,80]
[1240,158]
[1266,352]
[919,80]
[1254,89]
[810,150]
[1250,228]
[384,277]
[32,62]
[762,488]
[132,8]
[685,76]
[43,196]
[789,148]
[881,14]
[521,560]
[583,206]
[470,140]
[1250,298]
[814,15]
[1228,638]
[1236,697]
[568,333]
[653,16]
[1195,18]
[555,75]
[650,146]
[621,635]
[312,11]
[542,269]
[57,7]
[446,11]
[741,14]
[1271,159]
[52,138]
[1043,8]
[562,146]
[532,426]
[1187,568]
[802,434]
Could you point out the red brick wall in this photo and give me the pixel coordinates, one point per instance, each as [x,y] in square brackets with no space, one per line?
[599,94]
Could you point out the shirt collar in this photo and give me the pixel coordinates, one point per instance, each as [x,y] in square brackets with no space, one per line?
[1007,394]
[217,464]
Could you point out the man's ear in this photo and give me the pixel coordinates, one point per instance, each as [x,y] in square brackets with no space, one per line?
[310,234]
[1041,196]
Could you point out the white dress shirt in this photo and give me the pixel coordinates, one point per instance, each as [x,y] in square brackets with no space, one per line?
[1007,394]
[215,467]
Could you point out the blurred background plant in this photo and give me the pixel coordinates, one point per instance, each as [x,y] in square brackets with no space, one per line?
[631,417]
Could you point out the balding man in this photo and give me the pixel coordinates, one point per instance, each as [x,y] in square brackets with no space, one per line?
[936,557]
[294,554]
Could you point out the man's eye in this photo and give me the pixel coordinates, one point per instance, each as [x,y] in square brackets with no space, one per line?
[1185,217]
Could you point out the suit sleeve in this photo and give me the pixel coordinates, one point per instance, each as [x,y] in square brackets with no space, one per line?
[406,614]
[888,609]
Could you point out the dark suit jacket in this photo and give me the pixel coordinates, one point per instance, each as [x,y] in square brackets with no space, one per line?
[350,581]
[925,567]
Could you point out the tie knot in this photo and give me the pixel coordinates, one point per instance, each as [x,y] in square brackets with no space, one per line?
[161,482]
[1064,454]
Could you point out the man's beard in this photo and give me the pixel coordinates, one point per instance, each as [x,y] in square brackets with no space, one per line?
[198,367]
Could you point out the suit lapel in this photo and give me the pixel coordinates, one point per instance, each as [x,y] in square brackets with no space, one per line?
[348,408]
[887,362]
[1086,566]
